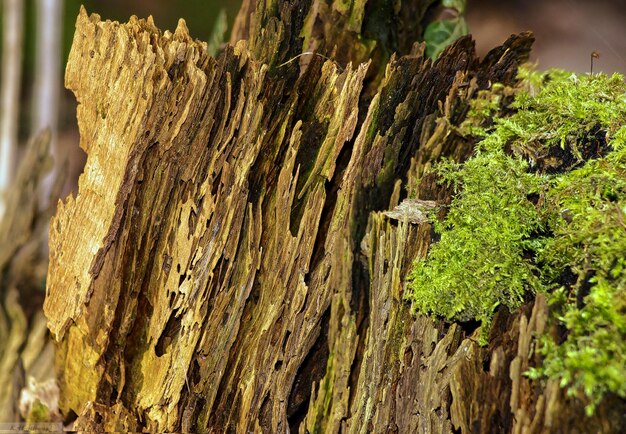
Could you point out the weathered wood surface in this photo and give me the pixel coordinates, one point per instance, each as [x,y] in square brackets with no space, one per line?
[226,265]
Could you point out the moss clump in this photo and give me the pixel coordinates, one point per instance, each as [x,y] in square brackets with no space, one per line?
[39,412]
[477,265]
[543,198]
[589,240]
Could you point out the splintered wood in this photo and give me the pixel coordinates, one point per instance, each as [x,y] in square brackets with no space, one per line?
[226,265]
[183,257]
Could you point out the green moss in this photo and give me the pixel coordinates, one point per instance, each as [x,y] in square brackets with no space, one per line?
[589,238]
[477,265]
[541,206]
[38,413]
[563,113]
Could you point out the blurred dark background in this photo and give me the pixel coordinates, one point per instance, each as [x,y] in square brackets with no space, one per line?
[567,32]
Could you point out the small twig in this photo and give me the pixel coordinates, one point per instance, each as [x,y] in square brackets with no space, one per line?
[313,54]
[594,55]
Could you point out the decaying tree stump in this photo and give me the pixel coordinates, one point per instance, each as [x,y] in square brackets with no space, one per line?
[227,265]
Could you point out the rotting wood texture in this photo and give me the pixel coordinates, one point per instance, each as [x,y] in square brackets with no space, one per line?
[227,266]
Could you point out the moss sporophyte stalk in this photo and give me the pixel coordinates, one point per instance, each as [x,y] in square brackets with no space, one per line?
[540,207]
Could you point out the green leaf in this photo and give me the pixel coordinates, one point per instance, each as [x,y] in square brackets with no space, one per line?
[458,5]
[440,34]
